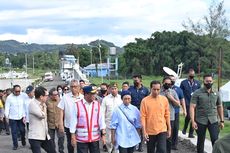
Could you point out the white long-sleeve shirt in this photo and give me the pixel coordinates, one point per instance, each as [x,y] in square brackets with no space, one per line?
[109,103]
[66,104]
[15,107]
[88,106]
[27,103]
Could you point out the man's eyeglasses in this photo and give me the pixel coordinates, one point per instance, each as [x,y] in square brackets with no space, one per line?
[17,91]
[66,89]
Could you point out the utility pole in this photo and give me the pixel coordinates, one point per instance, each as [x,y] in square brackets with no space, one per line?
[220,61]
[33,64]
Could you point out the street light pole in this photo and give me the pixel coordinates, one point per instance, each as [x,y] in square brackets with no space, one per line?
[33,64]
[99,49]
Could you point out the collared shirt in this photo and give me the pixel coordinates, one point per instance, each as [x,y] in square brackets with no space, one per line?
[53,114]
[67,104]
[188,89]
[74,118]
[27,102]
[38,121]
[163,92]
[126,134]
[206,106]
[109,103]
[14,107]
[137,95]
[154,114]
[180,96]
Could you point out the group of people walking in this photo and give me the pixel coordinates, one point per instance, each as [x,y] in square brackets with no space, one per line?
[121,119]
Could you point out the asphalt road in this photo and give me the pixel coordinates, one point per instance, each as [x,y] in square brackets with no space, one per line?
[184,146]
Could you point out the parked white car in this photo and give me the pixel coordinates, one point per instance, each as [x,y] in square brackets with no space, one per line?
[48,76]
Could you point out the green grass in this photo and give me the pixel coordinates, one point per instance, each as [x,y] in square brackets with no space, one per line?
[223,132]
[145,79]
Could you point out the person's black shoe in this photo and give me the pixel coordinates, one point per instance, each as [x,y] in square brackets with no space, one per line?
[183,131]
[7,132]
[23,143]
[15,148]
[105,148]
[140,149]
[191,136]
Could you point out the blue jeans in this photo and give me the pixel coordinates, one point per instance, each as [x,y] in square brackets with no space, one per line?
[17,125]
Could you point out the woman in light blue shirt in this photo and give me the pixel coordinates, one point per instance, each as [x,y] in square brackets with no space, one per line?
[125,125]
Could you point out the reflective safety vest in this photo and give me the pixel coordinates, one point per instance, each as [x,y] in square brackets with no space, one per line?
[87,131]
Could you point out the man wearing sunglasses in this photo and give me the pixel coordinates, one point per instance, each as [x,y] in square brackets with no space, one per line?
[15,112]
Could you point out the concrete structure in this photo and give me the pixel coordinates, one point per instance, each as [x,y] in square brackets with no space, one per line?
[97,70]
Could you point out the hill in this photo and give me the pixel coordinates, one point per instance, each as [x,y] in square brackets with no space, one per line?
[13,46]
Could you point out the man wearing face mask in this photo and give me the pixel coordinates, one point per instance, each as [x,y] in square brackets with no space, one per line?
[189,86]
[109,103]
[173,100]
[138,92]
[177,112]
[205,108]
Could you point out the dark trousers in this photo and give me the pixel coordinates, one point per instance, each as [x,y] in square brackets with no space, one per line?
[91,147]
[68,137]
[169,140]
[159,141]
[186,122]
[126,150]
[4,125]
[60,139]
[175,130]
[36,146]
[201,133]
[17,125]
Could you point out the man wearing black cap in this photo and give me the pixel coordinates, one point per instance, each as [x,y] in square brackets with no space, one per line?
[87,123]
[138,92]
[30,96]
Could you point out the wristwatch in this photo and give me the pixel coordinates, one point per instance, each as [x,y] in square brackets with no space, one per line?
[221,121]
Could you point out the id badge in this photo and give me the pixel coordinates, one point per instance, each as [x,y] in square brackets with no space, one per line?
[191,93]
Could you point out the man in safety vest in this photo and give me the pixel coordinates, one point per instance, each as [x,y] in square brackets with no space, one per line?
[87,123]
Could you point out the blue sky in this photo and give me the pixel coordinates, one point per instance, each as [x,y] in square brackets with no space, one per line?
[82,21]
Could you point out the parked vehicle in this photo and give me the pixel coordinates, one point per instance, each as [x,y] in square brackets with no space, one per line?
[48,76]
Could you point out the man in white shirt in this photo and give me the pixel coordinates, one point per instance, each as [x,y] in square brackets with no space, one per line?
[66,105]
[15,113]
[87,123]
[109,103]
[30,96]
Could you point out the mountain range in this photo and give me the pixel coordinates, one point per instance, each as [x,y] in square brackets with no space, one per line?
[13,46]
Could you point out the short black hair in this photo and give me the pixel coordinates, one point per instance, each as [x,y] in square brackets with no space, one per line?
[190,69]
[154,82]
[59,86]
[104,84]
[207,75]
[51,91]
[81,81]
[15,86]
[167,78]
[40,91]
[137,76]
[126,82]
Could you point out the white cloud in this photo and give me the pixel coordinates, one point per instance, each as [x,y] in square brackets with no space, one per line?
[40,19]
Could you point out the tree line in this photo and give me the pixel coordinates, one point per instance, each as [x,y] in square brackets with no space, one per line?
[169,49]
